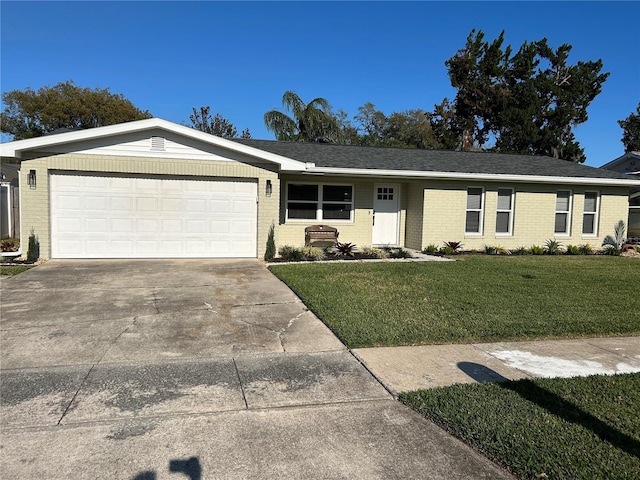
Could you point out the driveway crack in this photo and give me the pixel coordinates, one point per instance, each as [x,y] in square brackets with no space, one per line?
[244,397]
[84,380]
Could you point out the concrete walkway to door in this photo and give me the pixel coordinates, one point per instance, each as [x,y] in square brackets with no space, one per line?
[214,369]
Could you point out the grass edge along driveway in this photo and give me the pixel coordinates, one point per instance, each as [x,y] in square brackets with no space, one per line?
[575,428]
[475,299]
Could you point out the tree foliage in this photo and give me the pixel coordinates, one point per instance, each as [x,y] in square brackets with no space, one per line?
[309,122]
[202,120]
[528,102]
[30,113]
[631,131]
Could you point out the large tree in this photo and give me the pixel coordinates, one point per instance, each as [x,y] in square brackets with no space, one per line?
[631,131]
[28,113]
[202,120]
[528,102]
[309,122]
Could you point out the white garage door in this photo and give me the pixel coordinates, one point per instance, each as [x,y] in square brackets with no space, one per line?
[105,216]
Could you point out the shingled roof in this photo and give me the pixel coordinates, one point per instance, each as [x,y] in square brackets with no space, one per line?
[399,159]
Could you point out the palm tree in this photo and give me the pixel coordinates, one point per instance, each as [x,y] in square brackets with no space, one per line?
[311,122]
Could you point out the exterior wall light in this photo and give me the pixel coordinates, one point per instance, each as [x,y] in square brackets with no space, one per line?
[269,189]
[31,179]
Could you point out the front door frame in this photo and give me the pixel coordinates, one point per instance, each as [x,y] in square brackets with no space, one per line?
[396,194]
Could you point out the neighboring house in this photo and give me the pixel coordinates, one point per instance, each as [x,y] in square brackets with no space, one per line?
[152,188]
[9,201]
[629,164]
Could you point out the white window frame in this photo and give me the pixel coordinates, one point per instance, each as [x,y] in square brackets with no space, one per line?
[567,230]
[480,231]
[509,232]
[595,214]
[320,203]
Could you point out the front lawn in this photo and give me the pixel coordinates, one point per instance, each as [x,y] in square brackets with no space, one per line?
[475,299]
[10,270]
[578,428]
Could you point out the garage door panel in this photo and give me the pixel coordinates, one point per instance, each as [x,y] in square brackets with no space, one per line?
[128,217]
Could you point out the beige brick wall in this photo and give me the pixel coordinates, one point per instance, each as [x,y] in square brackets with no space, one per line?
[415,214]
[35,202]
[534,214]
[359,231]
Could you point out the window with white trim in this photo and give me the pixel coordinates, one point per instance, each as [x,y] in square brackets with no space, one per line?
[563,212]
[474,213]
[312,201]
[590,215]
[504,212]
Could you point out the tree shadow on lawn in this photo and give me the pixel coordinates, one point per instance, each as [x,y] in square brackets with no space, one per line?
[555,405]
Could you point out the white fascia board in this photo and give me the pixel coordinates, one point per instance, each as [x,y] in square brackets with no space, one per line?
[15,149]
[498,177]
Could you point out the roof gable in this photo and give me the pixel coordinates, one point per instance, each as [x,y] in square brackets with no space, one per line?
[136,139]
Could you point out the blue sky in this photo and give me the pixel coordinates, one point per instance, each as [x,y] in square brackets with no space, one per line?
[240,57]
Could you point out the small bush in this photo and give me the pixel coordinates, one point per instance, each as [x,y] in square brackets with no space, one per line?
[520,251]
[537,250]
[33,253]
[572,250]
[612,245]
[375,252]
[313,254]
[552,247]
[345,249]
[291,254]
[10,245]
[446,250]
[586,249]
[495,250]
[270,252]
[455,246]
[430,249]
[397,253]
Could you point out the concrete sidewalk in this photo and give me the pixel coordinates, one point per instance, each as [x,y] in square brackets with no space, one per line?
[402,369]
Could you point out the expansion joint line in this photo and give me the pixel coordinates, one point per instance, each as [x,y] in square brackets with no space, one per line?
[244,397]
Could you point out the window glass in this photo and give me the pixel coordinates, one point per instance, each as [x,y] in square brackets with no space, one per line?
[336,212]
[590,202]
[303,192]
[561,223]
[336,193]
[589,224]
[473,222]
[302,210]
[503,222]
[562,202]
[474,198]
[504,199]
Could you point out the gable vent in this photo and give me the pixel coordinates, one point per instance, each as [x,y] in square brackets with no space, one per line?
[157,144]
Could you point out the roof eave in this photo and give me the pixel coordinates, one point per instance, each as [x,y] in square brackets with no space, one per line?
[497,177]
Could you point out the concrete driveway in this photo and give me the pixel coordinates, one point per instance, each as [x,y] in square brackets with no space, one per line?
[204,368]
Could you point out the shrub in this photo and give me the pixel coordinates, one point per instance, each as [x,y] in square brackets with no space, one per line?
[586,249]
[291,254]
[33,253]
[455,246]
[10,245]
[537,250]
[519,251]
[270,252]
[446,250]
[430,249]
[495,250]
[573,250]
[346,249]
[613,244]
[552,247]
[313,253]
[397,253]
[375,252]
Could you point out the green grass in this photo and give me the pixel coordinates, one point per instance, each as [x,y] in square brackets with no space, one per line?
[475,299]
[579,428]
[13,269]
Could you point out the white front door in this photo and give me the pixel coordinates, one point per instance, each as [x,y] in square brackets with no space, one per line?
[385,214]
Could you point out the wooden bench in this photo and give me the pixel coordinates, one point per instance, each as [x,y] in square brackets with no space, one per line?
[320,234]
